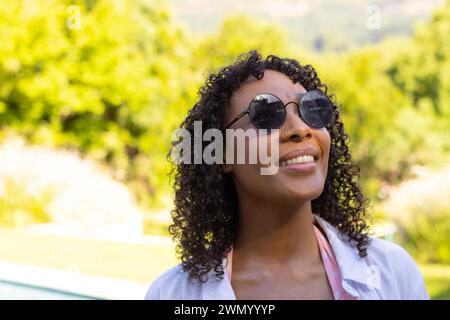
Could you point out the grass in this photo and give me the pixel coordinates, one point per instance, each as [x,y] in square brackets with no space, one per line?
[437,280]
[138,262]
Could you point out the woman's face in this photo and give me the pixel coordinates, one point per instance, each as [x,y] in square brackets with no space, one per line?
[290,183]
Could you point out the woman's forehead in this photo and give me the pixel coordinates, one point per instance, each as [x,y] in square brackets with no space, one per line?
[273,82]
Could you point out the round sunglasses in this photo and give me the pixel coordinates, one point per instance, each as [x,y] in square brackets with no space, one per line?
[267,111]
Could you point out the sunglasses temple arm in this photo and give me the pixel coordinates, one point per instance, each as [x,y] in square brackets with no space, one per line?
[236,119]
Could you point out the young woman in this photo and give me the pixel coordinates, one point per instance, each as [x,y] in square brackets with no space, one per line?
[297,234]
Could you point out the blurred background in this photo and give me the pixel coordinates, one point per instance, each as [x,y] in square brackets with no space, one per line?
[91,90]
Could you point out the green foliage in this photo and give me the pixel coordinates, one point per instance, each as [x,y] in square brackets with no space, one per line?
[422,71]
[239,34]
[388,135]
[420,208]
[426,235]
[19,207]
[154,227]
[103,77]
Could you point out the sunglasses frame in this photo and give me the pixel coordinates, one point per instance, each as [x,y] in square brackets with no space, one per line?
[301,96]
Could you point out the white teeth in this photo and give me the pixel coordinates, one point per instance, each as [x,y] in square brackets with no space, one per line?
[300,159]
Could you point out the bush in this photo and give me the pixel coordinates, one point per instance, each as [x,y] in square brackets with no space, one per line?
[427,235]
[20,207]
[420,208]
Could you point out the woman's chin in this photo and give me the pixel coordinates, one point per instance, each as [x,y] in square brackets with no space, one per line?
[297,195]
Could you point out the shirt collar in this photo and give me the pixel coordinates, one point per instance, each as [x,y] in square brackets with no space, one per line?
[350,264]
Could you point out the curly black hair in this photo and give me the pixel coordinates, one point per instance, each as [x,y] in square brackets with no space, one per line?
[205,217]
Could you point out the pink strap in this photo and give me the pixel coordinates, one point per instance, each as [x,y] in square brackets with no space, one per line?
[331,267]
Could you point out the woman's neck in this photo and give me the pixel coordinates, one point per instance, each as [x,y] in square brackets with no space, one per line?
[275,233]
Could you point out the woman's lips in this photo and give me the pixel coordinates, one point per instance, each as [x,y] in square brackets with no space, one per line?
[300,167]
[308,151]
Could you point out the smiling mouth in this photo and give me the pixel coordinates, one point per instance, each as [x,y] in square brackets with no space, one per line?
[298,160]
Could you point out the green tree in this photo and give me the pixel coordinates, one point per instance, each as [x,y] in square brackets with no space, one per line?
[422,71]
[105,77]
[239,34]
[387,134]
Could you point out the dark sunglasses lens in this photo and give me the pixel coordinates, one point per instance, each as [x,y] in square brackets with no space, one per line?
[267,112]
[316,109]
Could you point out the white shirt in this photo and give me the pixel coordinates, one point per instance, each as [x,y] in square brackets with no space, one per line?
[387,272]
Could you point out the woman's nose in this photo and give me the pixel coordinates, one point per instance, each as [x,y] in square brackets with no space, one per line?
[294,129]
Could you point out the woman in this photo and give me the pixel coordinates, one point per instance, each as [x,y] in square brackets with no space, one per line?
[300,233]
